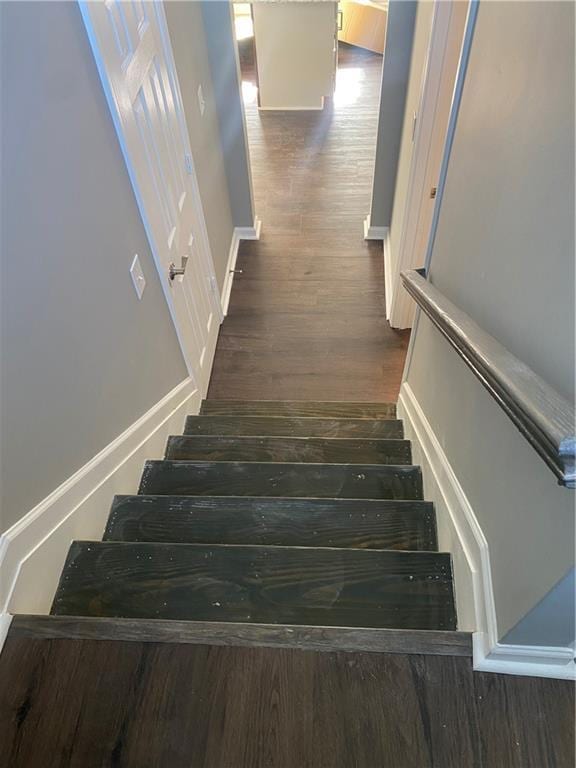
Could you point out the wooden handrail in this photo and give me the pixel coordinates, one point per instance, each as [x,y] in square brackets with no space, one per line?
[544,417]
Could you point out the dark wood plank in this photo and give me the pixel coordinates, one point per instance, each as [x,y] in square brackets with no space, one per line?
[298,408]
[512,711]
[405,641]
[236,478]
[88,704]
[265,585]
[313,450]
[294,427]
[364,524]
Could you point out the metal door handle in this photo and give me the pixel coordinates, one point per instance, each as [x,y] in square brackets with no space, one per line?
[174,271]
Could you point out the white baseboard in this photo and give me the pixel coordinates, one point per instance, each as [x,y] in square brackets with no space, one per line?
[460,534]
[527,660]
[5,621]
[32,552]
[240,233]
[374,233]
[315,108]
[387,274]
[249,233]
[229,277]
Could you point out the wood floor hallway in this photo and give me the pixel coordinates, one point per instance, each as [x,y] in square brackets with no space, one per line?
[306,318]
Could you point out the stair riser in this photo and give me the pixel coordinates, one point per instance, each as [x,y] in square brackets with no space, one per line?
[274,522]
[320,587]
[301,480]
[294,427]
[297,409]
[290,449]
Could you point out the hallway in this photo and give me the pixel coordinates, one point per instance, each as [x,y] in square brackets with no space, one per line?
[306,318]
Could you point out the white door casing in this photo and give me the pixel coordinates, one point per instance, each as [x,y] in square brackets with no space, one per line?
[131,45]
[438,78]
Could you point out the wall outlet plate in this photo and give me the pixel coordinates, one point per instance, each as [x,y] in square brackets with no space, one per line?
[137,276]
[201,100]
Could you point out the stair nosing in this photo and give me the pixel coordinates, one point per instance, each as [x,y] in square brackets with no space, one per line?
[265,499]
[352,639]
[288,547]
[401,467]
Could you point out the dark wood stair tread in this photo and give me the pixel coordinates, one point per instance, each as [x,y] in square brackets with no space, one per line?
[270,585]
[264,521]
[380,640]
[285,426]
[316,450]
[299,408]
[235,478]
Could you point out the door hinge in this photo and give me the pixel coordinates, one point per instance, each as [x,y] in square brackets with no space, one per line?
[433,193]
[213,285]
[188,164]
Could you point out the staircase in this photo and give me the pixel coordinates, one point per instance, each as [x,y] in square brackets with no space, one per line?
[287,523]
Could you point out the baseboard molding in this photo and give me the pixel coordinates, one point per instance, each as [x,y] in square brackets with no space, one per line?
[32,552]
[387,274]
[460,533]
[229,277]
[240,233]
[317,108]
[527,660]
[374,233]
[5,621]
[250,233]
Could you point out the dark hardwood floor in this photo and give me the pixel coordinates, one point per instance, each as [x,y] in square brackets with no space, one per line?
[306,318]
[95,704]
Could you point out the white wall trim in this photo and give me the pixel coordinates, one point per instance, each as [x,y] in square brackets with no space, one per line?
[318,108]
[428,121]
[460,533]
[240,233]
[229,276]
[374,233]
[528,660]
[33,550]
[5,621]
[387,273]
[250,233]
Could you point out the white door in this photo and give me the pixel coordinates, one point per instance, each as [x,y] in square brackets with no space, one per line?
[130,42]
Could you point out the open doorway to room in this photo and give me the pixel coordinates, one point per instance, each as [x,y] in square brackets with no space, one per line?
[348,42]
[306,317]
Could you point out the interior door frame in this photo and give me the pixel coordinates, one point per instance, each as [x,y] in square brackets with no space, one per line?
[399,306]
[452,121]
[204,249]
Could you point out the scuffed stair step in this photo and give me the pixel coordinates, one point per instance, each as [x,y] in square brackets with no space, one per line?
[419,641]
[298,408]
[269,585]
[284,426]
[236,478]
[366,524]
[317,450]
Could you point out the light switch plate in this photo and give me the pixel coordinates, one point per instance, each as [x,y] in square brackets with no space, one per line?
[137,276]
[201,100]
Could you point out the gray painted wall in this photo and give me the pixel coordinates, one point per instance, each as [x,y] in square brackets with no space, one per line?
[223,56]
[82,358]
[188,39]
[504,252]
[548,619]
[395,74]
